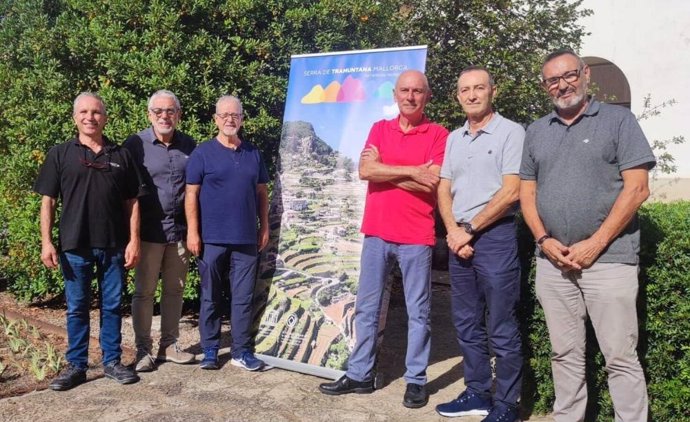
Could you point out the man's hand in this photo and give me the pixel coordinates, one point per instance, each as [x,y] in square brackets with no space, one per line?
[370,153]
[194,242]
[559,254]
[457,239]
[262,240]
[585,252]
[49,255]
[424,176]
[132,254]
[466,252]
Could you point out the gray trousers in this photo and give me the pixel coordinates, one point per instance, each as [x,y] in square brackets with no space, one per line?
[607,292]
[169,262]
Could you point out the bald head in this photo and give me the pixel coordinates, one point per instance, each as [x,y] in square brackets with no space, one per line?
[412,93]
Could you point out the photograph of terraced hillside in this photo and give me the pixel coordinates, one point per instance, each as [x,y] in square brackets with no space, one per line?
[309,272]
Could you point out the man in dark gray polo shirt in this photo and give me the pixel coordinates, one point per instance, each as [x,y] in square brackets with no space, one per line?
[161,152]
[583,177]
[477,199]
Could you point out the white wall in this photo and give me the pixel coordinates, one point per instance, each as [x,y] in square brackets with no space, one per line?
[650,42]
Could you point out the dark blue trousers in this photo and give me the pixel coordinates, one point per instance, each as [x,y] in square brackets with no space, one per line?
[234,264]
[485,291]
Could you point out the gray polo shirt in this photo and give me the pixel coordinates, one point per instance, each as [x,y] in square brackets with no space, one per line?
[475,165]
[578,173]
[163,171]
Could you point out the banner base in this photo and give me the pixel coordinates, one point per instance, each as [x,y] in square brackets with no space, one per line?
[304,368]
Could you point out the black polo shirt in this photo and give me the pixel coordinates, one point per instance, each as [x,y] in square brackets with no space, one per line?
[163,171]
[93,189]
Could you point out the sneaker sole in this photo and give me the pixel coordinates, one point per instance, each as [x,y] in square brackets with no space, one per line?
[209,366]
[412,405]
[239,364]
[123,381]
[65,387]
[475,412]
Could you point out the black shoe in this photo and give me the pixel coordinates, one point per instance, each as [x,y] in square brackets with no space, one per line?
[68,378]
[120,373]
[347,385]
[415,396]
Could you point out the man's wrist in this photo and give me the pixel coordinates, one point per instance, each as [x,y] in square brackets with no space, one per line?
[468,227]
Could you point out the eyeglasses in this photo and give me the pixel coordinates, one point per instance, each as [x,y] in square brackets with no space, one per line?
[167,111]
[226,116]
[569,77]
[98,165]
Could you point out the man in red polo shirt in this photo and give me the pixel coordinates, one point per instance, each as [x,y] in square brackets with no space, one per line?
[401,160]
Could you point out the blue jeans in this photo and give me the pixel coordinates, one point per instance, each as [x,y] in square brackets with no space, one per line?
[378,256]
[220,264]
[489,281]
[79,266]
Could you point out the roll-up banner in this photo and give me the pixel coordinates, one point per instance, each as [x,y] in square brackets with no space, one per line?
[308,275]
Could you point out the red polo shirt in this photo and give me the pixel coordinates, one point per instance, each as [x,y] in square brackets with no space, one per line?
[394,214]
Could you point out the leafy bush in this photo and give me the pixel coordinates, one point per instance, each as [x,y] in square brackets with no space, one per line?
[664,320]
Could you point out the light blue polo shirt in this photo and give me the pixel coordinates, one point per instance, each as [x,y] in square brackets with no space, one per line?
[475,165]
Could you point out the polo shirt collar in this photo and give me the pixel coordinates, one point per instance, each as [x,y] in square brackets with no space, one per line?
[107,143]
[489,128]
[591,110]
[423,126]
[150,136]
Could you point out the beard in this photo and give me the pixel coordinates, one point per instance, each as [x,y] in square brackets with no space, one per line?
[570,104]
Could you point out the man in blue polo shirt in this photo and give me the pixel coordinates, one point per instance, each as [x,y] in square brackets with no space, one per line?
[477,198]
[226,195]
[161,151]
[98,184]
[584,175]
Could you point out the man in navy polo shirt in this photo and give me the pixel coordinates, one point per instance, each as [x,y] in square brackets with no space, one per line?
[584,175]
[161,151]
[226,195]
[98,183]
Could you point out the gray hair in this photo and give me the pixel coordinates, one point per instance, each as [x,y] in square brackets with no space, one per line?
[472,68]
[225,98]
[561,52]
[91,95]
[164,93]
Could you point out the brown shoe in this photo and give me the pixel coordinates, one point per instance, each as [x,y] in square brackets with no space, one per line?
[173,353]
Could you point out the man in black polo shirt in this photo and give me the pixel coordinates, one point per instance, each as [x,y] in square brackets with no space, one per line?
[98,184]
[161,151]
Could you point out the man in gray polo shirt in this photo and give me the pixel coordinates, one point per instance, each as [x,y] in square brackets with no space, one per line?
[477,198]
[161,152]
[584,175]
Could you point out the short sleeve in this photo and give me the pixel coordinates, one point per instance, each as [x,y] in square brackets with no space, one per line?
[194,174]
[134,183]
[374,137]
[263,173]
[48,180]
[528,167]
[512,150]
[633,148]
[446,171]
[438,148]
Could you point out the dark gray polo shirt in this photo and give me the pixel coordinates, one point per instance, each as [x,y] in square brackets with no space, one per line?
[163,171]
[578,173]
[476,164]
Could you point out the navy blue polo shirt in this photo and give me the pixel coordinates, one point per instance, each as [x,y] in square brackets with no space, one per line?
[93,189]
[227,199]
[163,171]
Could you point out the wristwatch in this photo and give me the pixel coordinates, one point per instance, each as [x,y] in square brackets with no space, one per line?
[468,228]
